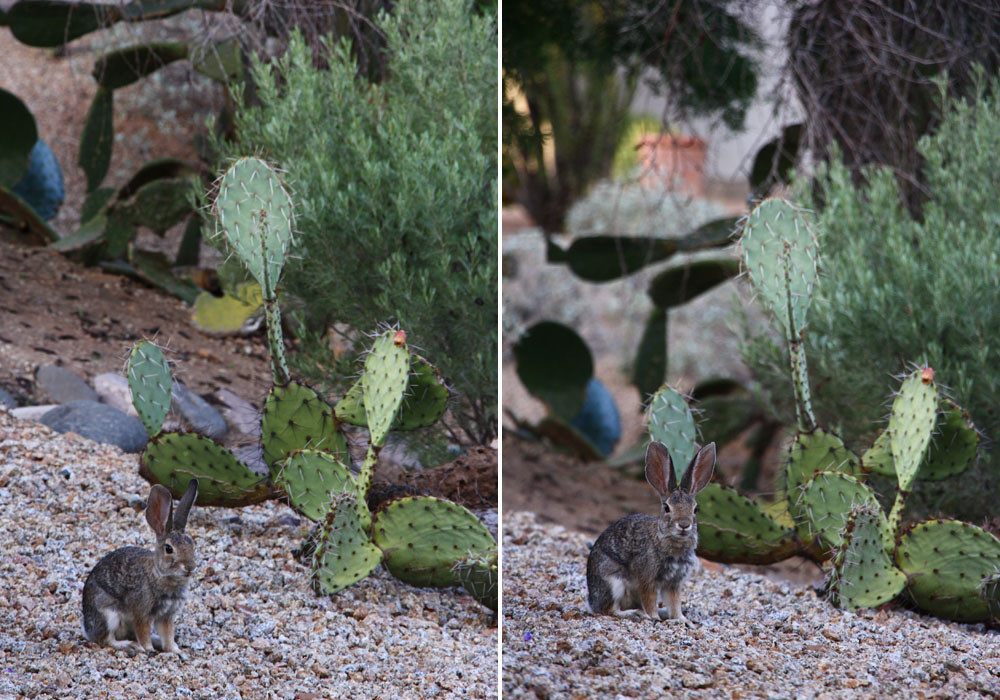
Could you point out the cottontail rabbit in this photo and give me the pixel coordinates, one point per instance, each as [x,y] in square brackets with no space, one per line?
[639,558]
[132,588]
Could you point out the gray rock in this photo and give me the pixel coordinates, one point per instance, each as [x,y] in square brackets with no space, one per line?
[239,413]
[62,386]
[6,400]
[198,413]
[113,390]
[253,457]
[32,412]
[98,422]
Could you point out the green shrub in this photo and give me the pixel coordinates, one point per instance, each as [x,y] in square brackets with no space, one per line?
[398,192]
[895,290]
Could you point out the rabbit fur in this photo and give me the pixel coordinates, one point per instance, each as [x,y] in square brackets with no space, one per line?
[640,560]
[132,589]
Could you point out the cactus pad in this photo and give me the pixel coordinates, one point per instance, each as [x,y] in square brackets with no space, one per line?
[254,213]
[426,397]
[813,452]
[878,458]
[671,422]
[945,562]
[387,369]
[423,538]
[173,459]
[345,555]
[989,591]
[780,254]
[823,506]
[310,478]
[863,575]
[150,383]
[953,445]
[296,418]
[478,575]
[911,424]
[733,529]
[424,402]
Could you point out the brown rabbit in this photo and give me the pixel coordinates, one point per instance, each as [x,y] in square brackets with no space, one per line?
[640,559]
[132,589]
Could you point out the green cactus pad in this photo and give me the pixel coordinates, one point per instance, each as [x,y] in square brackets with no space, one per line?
[733,529]
[812,452]
[151,385]
[173,459]
[254,213]
[945,562]
[423,538]
[479,576]
[863,575]
[367,473]
[671,422]
[296,418]
[345,555]
[989,591]
[780,254]
[426,397]
[351,408]
[230,314]
[311,478]
[911,424]
[425,400]
[823,506]
[878,458]
[387,369]
[953,445]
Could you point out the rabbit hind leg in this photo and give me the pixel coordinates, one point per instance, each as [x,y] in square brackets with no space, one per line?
[116,631]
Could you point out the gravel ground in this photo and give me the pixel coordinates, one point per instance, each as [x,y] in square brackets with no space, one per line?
[252,628]
[754,638]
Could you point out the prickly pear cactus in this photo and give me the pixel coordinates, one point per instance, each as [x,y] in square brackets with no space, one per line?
[254,213]
[173,459]
[780,254]
[877,459]
[826,501]
[150,383]
[863,575]
[812,452]
[671,422]
[296,418]
[954,444]
[387,369]
[989,591]
[733,528]
[425,400]
[311,478]
[345,554]
[945,562]
[478,575]
[910,426]
[423,538]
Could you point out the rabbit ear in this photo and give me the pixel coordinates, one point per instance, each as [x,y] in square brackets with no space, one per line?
[179,519]
[158,508]
[659,469]
[699,472]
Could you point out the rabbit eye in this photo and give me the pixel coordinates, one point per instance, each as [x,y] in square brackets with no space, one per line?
[168,549]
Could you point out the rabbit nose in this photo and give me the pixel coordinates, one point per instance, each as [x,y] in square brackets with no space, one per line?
[684,526]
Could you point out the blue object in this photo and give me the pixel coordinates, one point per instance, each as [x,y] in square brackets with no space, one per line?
[42,187]
[598,419]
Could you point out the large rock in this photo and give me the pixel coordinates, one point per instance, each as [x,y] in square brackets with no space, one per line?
[62,386]
[6,400]
[198,413]
[113,390]
[98,422]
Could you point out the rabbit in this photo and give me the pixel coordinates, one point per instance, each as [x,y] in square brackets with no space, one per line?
[131,588]
[640,559]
